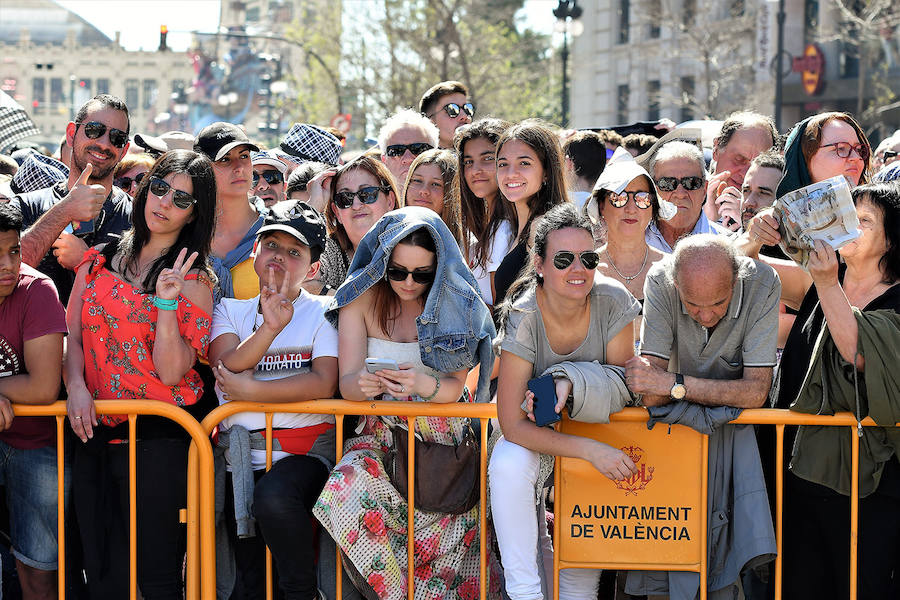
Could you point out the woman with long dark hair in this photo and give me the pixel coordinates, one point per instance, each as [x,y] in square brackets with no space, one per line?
[485,217]
[530,176]
[139,318]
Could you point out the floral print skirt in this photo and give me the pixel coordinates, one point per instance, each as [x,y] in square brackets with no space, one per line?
[367,517]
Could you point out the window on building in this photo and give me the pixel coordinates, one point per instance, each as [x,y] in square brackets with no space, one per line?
[688,12]
[654,15]
[624,20]
[103,86]
[738,8]
[151,90]
[252,15]
[653,100]
[57,97]
[85,85]
[131,93]
[623,94]
[687,98]
[38,95]
[810,21]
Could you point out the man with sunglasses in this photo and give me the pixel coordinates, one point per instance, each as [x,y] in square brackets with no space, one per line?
[679,170]
[268,178]
[63,221]
[447,105]
[405,135]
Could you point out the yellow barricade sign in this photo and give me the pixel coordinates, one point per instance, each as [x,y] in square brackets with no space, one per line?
[653,517]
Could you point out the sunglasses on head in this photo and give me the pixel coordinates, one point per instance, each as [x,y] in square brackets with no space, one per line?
[589,258]
[271,177]
[843,149]
[95,129]
[888,154]
[642,200]
[670,184]
[400,274]
[125,182]
[452,109]
[395,150]
[366,195]
[160,187]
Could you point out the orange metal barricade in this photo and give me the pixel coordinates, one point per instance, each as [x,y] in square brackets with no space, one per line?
[200,487]
[199,515]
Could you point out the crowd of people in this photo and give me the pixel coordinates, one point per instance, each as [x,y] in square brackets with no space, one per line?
[458,260]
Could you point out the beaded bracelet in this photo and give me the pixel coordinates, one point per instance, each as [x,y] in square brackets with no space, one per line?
[437,386]
[163,304]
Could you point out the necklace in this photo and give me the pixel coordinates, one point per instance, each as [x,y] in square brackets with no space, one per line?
[639,271]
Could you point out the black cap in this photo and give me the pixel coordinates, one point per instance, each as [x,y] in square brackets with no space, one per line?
[301,221]
[216,140]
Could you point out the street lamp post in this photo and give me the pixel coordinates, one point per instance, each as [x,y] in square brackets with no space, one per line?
[567,14]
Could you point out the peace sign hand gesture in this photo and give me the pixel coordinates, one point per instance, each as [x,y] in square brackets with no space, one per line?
[171,281]
[277,310]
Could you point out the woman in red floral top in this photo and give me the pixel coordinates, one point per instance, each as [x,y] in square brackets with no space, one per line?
[139,318]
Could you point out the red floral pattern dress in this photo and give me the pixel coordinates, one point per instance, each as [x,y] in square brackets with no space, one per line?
[367,516]
[118,330]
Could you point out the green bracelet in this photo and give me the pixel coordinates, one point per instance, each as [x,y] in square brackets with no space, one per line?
[163,304]
[437,387]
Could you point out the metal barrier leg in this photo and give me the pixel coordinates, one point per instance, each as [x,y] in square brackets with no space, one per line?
[60,508]
[854,509]
[191,569]
[779,507]
[482,505]
[411,509]
[132,506]
[339,453]
[557,527]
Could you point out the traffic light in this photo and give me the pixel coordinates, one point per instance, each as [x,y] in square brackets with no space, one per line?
[163,32]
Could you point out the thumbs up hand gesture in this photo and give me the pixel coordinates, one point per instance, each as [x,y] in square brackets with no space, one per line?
[85,200]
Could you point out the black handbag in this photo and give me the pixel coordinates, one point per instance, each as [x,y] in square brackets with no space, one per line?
[446,477]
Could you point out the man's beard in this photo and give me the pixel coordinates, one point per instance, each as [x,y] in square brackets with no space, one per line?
[98,174]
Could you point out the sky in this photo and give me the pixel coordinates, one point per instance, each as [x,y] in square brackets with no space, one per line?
[141,28]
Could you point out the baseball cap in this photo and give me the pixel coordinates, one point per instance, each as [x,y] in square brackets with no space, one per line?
[264,158]
[301,221]
[170,140]
[38,172]
[216,140]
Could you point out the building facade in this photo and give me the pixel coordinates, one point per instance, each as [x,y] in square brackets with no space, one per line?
[684,59]
[51,61]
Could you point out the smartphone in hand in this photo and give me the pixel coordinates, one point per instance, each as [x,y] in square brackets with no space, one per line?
[381,364]
[544,390]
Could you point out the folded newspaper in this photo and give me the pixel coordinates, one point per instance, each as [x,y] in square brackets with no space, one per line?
[821,211]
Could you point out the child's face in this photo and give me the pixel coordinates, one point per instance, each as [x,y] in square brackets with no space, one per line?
[287,257]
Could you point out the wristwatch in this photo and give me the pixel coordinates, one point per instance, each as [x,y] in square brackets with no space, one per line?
[678,390]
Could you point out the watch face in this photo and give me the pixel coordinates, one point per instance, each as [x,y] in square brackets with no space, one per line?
[678,391]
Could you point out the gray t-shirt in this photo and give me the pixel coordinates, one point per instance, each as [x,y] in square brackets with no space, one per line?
[745,337]
[612,308]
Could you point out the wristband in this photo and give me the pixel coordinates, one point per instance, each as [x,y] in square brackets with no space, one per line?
[163,304]
[437,387]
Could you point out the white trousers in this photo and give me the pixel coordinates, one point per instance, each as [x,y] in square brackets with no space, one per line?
[526,550]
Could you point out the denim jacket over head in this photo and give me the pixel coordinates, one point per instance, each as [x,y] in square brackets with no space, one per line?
[455,328]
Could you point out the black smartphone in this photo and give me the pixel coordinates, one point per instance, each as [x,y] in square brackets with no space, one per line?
[544,390]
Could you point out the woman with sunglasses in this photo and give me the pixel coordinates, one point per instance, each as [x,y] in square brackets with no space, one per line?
[408,266]
[358,194]
[484,215]
[558,313]
[130,170]
[139,318]
[431,184]
[530,177]
[625,198]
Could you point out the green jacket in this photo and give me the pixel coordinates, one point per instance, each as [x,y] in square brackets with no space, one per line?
[822,454]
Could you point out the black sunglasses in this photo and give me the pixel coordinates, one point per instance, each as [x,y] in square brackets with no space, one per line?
[95,129]
[125,182]
[889,154]
[160,187]
[642,200]
[366,195]
[395,150]
[452,109]
[271,177]
[670,184]
[589,258]
[399,274]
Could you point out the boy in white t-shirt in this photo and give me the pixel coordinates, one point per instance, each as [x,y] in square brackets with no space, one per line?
[277,347]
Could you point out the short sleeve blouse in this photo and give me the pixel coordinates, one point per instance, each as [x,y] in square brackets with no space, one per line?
[118,323]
